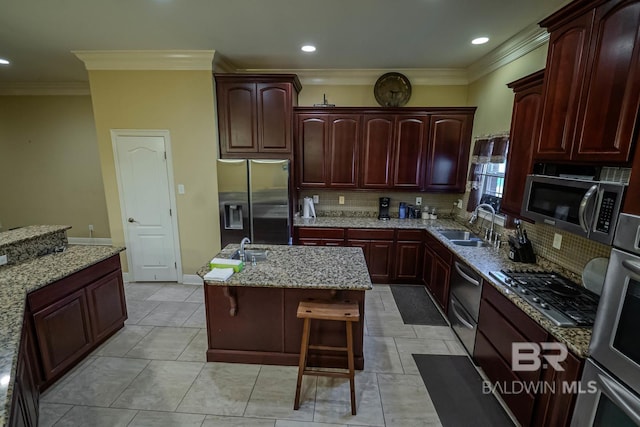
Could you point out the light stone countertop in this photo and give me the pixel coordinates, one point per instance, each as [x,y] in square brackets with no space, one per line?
[306,267]
[482,260]
[30,232]
[18,280]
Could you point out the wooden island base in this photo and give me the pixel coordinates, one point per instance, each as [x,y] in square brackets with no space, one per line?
[259,325]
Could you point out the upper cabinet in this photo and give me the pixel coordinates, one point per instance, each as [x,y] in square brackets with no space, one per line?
[525,123]
[448,155]
[378,148]
[592,88]
[255,113]
[327,150]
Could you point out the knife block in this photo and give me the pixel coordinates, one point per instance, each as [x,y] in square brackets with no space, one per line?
[521,252]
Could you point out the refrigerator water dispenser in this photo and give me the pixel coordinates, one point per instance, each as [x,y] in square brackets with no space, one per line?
[233,217]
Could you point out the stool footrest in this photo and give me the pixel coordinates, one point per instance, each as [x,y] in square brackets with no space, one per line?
[327,347]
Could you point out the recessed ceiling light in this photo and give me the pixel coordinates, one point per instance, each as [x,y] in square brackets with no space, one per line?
[480,40]
[4,61]
[308,48]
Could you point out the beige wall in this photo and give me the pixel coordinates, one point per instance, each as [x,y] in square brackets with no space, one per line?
[492,96]
[182,103]
[362,96]
[49,165]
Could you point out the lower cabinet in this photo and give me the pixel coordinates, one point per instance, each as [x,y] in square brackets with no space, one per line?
[408,258]
[25,406]
[436,266]
[74,315]
[377,245]
[309,236]
[500,324]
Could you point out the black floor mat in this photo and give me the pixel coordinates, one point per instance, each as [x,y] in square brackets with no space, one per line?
[416,308]
[455,387]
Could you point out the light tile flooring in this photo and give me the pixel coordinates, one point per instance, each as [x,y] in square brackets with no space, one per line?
[153,373]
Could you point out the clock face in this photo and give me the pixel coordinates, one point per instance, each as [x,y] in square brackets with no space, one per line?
[392,90]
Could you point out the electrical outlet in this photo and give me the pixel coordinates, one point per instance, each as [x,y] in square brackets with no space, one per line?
[3,259]
[316,198]
[557,240]
[459,203]
[90,227]
[180,188]
[341,200]
[418,201]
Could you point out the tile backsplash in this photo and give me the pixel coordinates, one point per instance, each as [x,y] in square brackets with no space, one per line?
[574,254]
[360,203]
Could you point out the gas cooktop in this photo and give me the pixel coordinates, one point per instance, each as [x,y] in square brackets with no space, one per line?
[562,301]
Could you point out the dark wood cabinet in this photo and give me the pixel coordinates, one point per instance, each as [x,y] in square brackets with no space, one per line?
[327,150]
[436,266]
[255,114]
[377,151]
[25,406]
[408,256]
[411,139]
[64,333]
[318,236]
[107,306]
[525,125]
[378,248]
[74,315]
[383,148]
[448,156]
[592,88]
[500,324]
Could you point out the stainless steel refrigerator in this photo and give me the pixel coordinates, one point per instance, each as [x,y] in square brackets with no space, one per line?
[254,201]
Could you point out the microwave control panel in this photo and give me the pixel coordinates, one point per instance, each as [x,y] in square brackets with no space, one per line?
[605,215]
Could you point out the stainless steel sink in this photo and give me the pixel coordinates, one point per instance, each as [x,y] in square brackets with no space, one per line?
[459,235]
[471,243]
[249,254]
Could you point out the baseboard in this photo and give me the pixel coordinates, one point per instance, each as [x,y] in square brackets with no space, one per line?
[191,279]
[100,241]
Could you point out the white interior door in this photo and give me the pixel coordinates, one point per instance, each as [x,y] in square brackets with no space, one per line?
[145,187]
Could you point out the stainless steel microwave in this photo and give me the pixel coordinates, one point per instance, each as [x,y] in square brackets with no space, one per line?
[580,206]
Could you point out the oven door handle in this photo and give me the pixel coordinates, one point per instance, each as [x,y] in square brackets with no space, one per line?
[621,398]
[458,316]
[582,210]
[459,268]
[632,266]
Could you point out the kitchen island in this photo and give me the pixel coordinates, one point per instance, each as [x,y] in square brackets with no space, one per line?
[251,317]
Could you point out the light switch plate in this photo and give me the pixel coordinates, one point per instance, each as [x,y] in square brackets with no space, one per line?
[316,198]
[341,200]
[180,188]
[3,259]
[557,240]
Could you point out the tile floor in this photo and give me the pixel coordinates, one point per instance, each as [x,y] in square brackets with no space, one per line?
[153,373]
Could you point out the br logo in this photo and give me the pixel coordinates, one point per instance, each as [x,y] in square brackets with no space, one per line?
[529,356]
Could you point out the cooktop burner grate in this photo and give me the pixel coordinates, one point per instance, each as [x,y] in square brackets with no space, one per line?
[562,301]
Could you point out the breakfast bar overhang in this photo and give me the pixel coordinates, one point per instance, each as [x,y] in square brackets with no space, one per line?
[251,317]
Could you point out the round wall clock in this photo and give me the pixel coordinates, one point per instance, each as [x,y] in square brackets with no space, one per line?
[392,90]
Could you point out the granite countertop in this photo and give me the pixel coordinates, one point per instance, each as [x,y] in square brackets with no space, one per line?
[482,260]
[309,267]
[18,280]
[30,232]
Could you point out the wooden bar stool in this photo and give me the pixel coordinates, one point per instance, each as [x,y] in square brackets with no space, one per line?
[343,311]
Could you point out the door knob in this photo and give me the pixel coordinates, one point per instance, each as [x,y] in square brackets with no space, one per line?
[131,219]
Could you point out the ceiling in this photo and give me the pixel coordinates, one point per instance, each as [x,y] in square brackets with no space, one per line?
[38,37]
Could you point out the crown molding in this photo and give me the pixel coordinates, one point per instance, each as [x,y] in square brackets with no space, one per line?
[346,77]
[221,64]
[527,40]
[46,89]
[146,59]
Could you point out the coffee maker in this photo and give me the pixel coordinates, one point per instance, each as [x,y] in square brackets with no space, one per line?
[383,208]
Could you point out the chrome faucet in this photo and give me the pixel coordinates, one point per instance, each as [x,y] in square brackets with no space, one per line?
[242,243]
[474,216]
